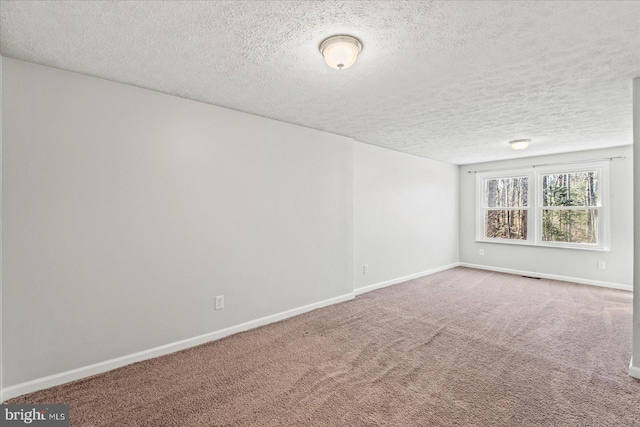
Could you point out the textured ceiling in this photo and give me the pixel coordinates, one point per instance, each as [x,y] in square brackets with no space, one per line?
[452,81]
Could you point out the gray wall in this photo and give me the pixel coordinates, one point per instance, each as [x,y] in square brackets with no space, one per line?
[126,211]
[405,214]
[575,263]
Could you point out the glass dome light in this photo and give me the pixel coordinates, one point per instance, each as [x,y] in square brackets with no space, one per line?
[340,52]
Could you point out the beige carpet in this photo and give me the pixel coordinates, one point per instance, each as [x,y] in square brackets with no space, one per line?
[459,348]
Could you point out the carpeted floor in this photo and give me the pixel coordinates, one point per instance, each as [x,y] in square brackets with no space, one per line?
[459,348]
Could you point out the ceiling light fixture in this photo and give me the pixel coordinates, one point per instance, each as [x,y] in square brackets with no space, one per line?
[520,144]
[340,52]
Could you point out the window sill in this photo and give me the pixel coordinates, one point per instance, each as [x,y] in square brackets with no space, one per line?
[545,245]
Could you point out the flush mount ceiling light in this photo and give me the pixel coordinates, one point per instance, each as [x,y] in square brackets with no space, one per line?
[520,144]
[340,52]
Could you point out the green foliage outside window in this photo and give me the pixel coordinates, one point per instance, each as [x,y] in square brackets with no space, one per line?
[573,195]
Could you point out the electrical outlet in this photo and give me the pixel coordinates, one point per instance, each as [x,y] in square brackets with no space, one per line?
[602,265]
[481,252]
[219,302]
[365,269]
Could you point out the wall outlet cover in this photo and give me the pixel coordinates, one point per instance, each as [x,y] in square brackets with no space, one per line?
[219,305]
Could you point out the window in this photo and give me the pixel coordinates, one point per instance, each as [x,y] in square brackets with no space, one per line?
[560,206]
[506,207]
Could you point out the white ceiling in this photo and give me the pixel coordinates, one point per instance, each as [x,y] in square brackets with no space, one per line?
[452,81]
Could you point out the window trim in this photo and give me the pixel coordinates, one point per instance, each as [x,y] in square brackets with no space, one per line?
[535,205]
[481,209]
[603,209]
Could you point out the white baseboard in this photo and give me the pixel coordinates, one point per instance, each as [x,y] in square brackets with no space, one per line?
[550,276]
[634,371]
[108,365]
[369,288]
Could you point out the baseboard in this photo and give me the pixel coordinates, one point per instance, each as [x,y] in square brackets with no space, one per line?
[369,288]
[550,276]
[108,365]
[634,371]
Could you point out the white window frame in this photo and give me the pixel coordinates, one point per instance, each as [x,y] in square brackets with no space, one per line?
[481,178]
[602,168]
[535,204]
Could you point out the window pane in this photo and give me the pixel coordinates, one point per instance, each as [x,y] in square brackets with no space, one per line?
[572,226]
[570,189]
[506,192]
[506,224]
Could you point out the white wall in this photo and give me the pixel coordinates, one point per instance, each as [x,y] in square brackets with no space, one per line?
[634,369]
[405,214]
[126,211]
[571,263]
[1,64]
